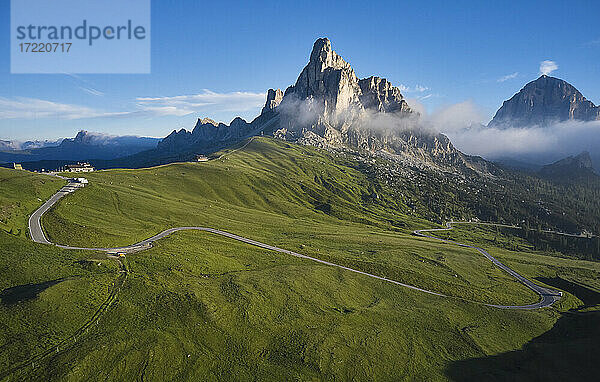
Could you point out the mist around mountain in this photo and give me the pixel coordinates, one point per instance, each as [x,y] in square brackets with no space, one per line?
[329,107]
[27,145]
[546,121]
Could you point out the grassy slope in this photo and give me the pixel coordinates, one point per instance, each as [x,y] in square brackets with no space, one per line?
[226,311]
[198,306]
[32,322]
[569,350]
[22,192]
[273,192]
[534,264]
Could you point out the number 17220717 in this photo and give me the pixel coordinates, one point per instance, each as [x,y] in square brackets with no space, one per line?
[49,47]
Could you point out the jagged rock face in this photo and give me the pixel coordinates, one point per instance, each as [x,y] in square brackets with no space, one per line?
[544,101]
[333,93]
[206,132]
[379,94]
[176,141]
[274,98]
[419,145]
[328,79]
[82,137]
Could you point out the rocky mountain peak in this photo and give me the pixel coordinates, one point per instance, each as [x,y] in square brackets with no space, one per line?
[84,137]
[322,55]
[327,79]
[274,98]
[206,121]
[330,83]
[330,107]
[81,137]
[544,101]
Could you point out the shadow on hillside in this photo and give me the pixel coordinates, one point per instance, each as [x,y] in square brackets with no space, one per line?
[588,296]
[20,293]
[570,351]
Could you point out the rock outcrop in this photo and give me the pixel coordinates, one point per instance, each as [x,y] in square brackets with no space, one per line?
[205,134]
[545,101]
[274,98]
[379,94]
[209,135]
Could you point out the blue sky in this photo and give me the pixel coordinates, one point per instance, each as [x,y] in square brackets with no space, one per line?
[218,59]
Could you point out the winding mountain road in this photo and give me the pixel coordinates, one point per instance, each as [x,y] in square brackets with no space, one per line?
[547,296]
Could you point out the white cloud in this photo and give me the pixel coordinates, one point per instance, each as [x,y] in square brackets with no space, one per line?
[208,102]
[84,85]
[508,77]
[456,117]
[32,108]
[462,123]
[421,88]
[92,91]
[416,89]
[547,67]
[416,105]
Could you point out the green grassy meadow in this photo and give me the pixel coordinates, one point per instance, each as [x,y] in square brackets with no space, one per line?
[46,293]
[22,192]
[198,306]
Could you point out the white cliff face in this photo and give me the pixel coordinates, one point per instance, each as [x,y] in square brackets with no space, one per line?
[331,82]
[329,106]
[328,79]
[323,101]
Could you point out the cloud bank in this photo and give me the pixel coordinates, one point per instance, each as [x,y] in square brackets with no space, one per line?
[540,145]
[463,124]
[415,89]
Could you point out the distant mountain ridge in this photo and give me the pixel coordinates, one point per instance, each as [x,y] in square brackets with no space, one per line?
[27,145]
[545,101]
[570,168]
[84,146]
